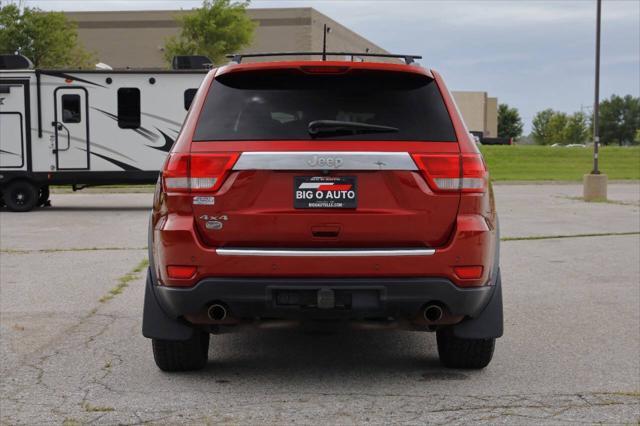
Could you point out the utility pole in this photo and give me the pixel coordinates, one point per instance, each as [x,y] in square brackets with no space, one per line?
[595,183]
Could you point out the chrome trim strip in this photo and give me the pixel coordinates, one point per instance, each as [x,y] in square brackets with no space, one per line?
[323,252]
[325,160]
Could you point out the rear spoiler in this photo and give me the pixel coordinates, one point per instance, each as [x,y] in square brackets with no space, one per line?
[408,59]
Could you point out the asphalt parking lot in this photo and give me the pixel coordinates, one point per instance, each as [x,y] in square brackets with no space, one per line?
[71,351]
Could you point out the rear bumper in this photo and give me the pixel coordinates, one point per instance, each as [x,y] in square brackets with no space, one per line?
[251,297]
[176,242]
[353,298]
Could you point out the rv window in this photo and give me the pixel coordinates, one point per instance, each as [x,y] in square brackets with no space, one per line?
[128,108]
[189,94]
[71,109]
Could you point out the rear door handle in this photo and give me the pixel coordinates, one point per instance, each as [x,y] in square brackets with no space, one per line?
[325,231]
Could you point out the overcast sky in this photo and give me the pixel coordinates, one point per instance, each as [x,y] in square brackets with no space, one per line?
[531,54]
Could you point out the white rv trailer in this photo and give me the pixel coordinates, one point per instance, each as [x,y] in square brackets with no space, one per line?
[86,127]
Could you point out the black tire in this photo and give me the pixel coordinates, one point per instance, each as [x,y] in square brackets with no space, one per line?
[20,196]
[186,355]
[43,198]
[464,353]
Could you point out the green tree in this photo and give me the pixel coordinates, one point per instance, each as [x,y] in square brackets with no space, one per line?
[557,124]
[619,119]
[49,39]
[554,127]
[576,129]
[540,127]
[218,28]
[509,122]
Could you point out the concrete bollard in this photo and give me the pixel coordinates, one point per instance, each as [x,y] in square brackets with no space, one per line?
[594,187]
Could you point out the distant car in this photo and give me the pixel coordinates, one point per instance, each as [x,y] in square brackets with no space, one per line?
[323,191]
[571,145]
[477,135]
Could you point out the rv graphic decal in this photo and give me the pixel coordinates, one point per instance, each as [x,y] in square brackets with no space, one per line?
[69,77]
[145,133]
[168,142]
[123,166]
[104,148]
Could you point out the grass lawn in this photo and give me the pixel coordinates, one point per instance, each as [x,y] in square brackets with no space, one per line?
[562,164]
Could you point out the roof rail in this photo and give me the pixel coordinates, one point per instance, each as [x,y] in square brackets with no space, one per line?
[408,59]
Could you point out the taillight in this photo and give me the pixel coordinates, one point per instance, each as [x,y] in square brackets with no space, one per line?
[197,172]
[175,174]
[209,170]
[474,173]
[453,172]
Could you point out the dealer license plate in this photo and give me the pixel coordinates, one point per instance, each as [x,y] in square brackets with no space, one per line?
[325,192]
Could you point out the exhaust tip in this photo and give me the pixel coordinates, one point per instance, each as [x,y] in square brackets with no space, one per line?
[433,313]
[217,312]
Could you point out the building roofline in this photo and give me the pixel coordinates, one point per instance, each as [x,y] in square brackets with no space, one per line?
[167,18]
[181,11]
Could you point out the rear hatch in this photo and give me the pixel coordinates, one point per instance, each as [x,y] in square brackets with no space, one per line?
[322,157]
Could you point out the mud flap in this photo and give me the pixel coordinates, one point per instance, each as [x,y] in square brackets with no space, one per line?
[487,325]
[156,324]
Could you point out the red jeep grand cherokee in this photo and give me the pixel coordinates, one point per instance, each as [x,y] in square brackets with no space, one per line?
[323,191]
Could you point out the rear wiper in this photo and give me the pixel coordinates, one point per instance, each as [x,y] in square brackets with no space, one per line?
[346,127]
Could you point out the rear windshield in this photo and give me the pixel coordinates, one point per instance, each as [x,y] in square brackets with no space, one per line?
[279,105]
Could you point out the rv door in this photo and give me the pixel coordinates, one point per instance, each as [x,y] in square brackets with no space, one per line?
[71,128]
[13,132]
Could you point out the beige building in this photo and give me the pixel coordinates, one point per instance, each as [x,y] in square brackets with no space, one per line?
[480,112]
[136,38]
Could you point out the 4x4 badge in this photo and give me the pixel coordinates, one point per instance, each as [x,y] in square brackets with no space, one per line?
[207,217]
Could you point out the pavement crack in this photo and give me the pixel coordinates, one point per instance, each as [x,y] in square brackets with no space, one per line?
[123,281]
[599,201]
[35,361]
[555,237]
[72,249]
[89,340]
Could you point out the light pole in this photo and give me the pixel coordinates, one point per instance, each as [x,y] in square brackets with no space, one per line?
[595,183]
[325,30]
[596,104]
